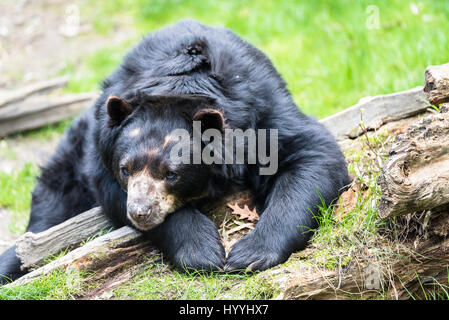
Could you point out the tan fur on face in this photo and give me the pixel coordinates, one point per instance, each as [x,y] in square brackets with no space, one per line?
[134,133]
[143,188]
[169,139]
[153,152]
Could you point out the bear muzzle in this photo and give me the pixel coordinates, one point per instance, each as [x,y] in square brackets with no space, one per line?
[147,203]
[143,216]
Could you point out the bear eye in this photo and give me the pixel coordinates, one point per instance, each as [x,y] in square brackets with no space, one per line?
[125,172]
[170,175]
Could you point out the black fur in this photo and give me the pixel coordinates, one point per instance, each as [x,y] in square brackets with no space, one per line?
[191,59]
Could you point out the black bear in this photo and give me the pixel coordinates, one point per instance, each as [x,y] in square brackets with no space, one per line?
[117,154]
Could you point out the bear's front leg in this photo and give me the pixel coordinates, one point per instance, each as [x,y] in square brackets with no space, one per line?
[190,240]
[284,225]
[289,207]
[10,266]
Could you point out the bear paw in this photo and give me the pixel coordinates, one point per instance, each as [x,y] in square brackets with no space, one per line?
[251,253]
[204,256]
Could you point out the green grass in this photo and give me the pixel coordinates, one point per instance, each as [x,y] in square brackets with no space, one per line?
[16,186]
[90,73]
[158,282]
[323,49]
[48,132]
[15,195]
[361,217]
[431,288]
[349,230]
[58,284]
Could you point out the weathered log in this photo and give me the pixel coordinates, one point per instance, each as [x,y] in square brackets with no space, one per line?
[413,276]
[376,111]
[34,88]
[437,84]
[120,266]
[416,175]
[96,251]
[42,111]
[428,272]
[43,103]
[33,248]
[307,282]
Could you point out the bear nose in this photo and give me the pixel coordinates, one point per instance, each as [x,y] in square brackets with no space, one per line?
[138,211]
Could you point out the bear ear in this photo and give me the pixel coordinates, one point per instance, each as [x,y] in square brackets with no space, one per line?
[210,119]
[118,109]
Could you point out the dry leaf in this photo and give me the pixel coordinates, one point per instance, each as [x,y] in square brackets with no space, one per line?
[244,213]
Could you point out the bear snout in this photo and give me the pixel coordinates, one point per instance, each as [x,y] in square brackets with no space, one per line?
[139,210]
[144,214]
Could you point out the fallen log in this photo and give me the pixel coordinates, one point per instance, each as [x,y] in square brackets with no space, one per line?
[307,282]
[413,276]
[40,87]
[427,273]
[95,252]
[375,112]
[33,248]
[42,111]
[416,175]
[42,104]
[437,84]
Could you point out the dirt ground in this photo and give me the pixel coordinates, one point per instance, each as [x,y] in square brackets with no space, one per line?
[37,39]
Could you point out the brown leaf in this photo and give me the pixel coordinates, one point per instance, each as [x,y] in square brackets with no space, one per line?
[244,213]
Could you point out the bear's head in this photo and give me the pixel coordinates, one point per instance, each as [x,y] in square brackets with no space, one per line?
[145,129]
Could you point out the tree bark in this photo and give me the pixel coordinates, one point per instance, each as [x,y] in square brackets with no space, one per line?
[410,278]
[416,175]
[437,84]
